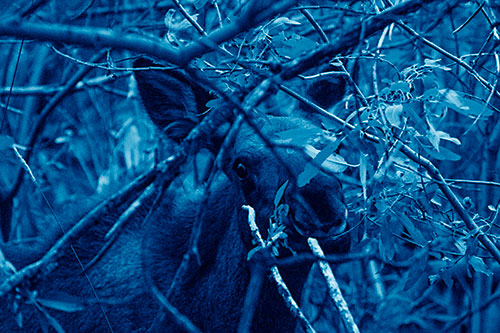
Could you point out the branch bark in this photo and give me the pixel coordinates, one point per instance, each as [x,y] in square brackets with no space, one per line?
[99,37]
[352,38]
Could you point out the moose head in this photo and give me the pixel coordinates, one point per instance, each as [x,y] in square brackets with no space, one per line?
[252,169]
[252,172]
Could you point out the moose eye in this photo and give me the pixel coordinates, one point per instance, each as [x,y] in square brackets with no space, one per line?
[240,169]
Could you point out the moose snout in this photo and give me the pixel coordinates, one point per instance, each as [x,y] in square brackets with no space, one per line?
[320,210]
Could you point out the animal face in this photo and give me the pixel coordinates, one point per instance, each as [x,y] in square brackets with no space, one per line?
[206,205]
[253,170]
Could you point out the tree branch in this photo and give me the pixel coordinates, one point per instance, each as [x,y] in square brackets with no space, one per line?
[333,288]
[351,38]
[282,287]
[99,37]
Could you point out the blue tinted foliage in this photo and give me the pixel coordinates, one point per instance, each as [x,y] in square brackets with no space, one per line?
[166,166]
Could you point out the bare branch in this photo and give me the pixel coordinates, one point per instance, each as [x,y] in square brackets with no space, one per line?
[333,288]
[282,288]
[447,54]
[98,37]
[352,38]
[45,90]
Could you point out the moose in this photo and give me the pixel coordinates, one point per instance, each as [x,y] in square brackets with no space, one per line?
[212,293]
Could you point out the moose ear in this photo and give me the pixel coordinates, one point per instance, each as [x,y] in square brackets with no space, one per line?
[173,101]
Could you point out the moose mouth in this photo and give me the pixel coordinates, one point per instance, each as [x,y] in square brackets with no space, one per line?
[316,214]
[319,226]
[302,221]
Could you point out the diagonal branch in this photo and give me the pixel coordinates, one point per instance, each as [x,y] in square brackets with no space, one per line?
[351,38]
[98,37]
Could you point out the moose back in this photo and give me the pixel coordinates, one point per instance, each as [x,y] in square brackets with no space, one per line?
[117,292]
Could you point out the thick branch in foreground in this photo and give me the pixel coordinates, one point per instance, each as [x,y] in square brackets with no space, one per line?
[87,36]
[99,37]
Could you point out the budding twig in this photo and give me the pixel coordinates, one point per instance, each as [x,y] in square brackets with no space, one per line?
[282,287]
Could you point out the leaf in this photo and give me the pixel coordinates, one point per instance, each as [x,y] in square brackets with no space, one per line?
[362,172]
[413,232]
[479,266]
[51,321]
[200,4]
[447,137]
[54,323]
[401,86]
[386,244]
[417,270]
[434,63]
[279,193]
[434,278]
[461,246]
[444,154]
[452,99]
[477,108]
[64,303]
[393,114]
[412,112]
[131,147]
[293,45]
[458,101]
[334,162]
[433,136]
[280,24]
[312,168]
[298,136]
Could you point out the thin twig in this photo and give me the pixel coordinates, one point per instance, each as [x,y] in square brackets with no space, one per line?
[463,25]
[44,115]
[180,319]
[189,18]
[45,90]
[282,288]
[114,232]
[449,55]
[333,288]
[351,38]
[315,24]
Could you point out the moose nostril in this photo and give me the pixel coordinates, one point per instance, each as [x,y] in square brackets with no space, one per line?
[328,207]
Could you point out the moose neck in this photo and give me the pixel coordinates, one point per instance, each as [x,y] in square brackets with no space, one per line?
[212,294]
